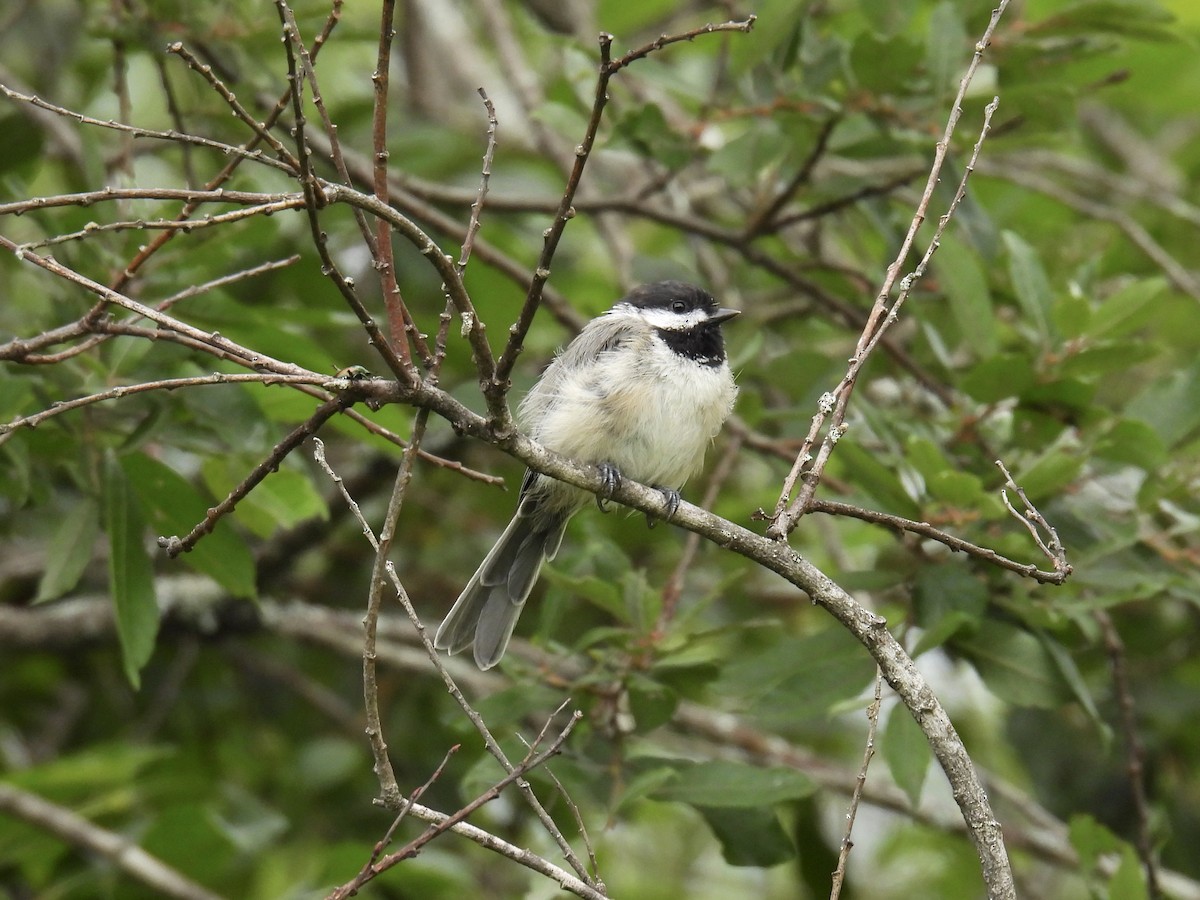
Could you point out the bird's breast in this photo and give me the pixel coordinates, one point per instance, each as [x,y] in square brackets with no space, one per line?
[653,419]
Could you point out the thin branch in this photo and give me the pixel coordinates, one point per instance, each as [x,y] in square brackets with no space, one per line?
[187,226]
[167,384]
[397,312]
[148,133]
[389,790]
[608,67]
[1036,524]
[489,741]
[839,873]
[260,130]
[481,192]
[924,529]
[833,405]
[18,349]
[315,194]
[493,747]
[531,761]
[116,848]
[174,545]
[366,873]
[1135,753]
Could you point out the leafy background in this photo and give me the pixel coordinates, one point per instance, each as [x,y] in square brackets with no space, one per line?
[1059,330]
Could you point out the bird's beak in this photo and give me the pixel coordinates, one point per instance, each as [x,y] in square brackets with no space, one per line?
[723,315]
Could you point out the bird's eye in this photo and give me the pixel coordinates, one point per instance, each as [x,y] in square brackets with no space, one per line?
[678,306]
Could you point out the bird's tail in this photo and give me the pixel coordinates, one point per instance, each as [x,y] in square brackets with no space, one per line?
[487,610]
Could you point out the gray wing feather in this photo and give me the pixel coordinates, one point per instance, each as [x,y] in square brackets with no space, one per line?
[486,612]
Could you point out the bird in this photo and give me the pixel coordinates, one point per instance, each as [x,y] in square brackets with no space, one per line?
[640,392]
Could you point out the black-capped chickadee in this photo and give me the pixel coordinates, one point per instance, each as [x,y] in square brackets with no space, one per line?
[640,392]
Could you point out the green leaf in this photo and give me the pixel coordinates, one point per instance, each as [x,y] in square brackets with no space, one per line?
[906,750]
[999,377]
[650,703]
[1071,315]
[948,588]
[966,288]
[1124,308]
[70,550]
[1029,282]
[954,488]
[946,45]
[1072,676]
[1015,665]
[798,679]
[175,507]
[130,574]
[876,479]
[1171,405]
[942,630]
[1134,442]
[734,785]
[1127,881]
[283,499]
[750,837]
[1091,840]
[1050,474]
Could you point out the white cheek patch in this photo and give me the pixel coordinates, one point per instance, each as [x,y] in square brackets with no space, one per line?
[673,321]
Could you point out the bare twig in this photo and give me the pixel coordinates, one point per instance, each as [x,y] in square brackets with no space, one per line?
[166,384]
[531,761]
[924,529]
[260,130]
[390,791]
[1035,523]
[607,69]
[175,545]
[1135,753]
[481,192]
[367,873]
[490,742]
[117,848]
[833,405]
[148,133]
[839,873]
[397,359]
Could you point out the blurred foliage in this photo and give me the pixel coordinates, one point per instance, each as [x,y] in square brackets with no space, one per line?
[1058,330]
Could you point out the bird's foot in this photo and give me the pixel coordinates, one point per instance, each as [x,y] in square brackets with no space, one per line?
[671,498]
[610,480]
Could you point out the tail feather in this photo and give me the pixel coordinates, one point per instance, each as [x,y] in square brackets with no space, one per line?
[488,608]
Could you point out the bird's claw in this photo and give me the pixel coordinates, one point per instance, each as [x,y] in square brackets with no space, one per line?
[610,480]
[671,498]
